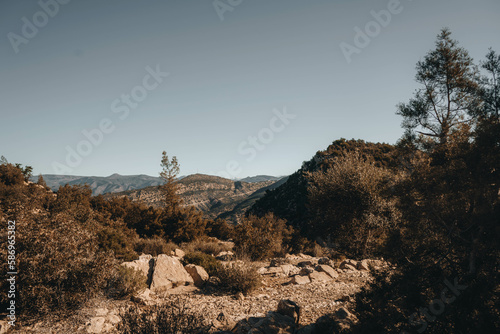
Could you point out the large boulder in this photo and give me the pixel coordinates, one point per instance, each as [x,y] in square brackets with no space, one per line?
[169,273]
[199,274]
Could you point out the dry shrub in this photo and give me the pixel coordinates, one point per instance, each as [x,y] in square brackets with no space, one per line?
[124,282]
[154,246]
[262,237]
[238,277]
[60,266]
[116,239]
[173,317]
[208,262]
[351,204]
[211,246]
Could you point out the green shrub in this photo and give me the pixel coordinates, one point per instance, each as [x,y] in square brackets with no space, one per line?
[124,282]
[238,277]
[173,317]
[208,262]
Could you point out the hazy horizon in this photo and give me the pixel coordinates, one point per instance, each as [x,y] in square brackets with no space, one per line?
[253,88]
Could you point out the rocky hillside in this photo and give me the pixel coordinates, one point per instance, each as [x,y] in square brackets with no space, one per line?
[100,184]
[213,195]
[289,200]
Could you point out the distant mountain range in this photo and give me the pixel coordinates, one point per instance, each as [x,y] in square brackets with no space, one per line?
[217,197]
[100,184]
[119,183]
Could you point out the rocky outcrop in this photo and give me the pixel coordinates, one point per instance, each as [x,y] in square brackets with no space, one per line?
[169,273]
[144,265]
[199,274]
[213,195]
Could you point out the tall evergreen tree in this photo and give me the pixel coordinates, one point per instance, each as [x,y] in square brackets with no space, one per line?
[448,96]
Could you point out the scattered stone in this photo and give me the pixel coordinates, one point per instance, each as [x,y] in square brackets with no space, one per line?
[362,265]
[327,269]
[306,271]
[98,325]
[144,297]
[303,256]
[318,276]
[224,322]
[274,322]
[270,270]
[289,308]
[289,269]
[297,279]
[348,264]
[169,273]
[178,253]
[305,264]
[277,262]
[199,274]
[324,260]
[225,256]
[213,281]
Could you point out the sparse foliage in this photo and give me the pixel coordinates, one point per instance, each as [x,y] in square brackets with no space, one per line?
[262,237]
[449,94]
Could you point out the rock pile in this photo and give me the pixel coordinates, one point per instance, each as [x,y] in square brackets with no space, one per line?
[304,269]
[165,273]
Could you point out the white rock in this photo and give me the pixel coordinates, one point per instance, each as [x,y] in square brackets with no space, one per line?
[199,274]
[169,273]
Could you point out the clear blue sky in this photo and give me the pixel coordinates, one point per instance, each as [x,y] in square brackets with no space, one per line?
[226,79]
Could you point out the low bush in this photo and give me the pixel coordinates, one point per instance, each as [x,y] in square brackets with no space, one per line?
[60,266]
[208,262]
[173,317]
[238,277]
[262,237]
[210,246]
[114,239]
[154,246]
[124,282]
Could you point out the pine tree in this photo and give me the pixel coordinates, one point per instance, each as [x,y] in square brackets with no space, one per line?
[449,96]
[170,170]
